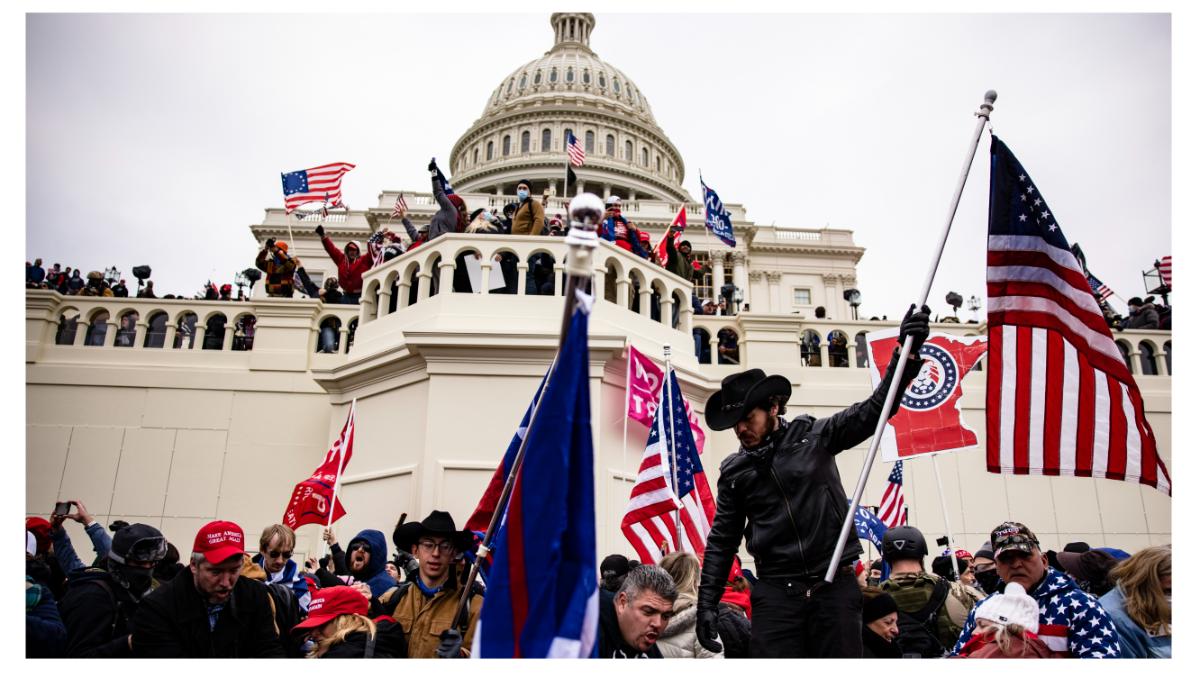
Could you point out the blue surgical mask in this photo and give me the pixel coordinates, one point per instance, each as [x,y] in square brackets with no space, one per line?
[522,194]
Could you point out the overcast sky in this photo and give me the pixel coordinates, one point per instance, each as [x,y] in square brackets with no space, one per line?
[158,139]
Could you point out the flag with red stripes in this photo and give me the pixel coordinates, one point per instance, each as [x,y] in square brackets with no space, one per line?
[1060,399]
[680,222]
[401,206]
[574,150]
[655,503]
[891,507]
[1164,269]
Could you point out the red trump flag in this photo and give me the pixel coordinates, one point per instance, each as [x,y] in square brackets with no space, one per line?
[314,501]
[929,419]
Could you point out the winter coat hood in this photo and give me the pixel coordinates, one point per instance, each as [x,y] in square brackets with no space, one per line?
[375,574]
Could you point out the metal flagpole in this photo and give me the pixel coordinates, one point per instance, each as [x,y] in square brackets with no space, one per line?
[984,114]
[337,480]
[674,455]
[625,406]
[945,515]
[585,212]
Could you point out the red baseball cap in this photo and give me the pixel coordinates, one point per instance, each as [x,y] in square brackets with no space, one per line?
[328,604]
[219,541]
[40,527]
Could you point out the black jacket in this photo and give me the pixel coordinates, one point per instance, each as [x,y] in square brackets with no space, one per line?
[172,622]
[786,498]
[98,614]
[389,644]
[875,647]
[734,629]
[611,645]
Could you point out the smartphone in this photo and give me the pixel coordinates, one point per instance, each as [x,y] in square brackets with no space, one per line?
[62,508]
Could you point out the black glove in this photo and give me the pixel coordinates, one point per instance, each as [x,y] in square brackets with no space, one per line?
[706,629]
[432,165]
[451,646]
[320,230]
[916,325]
[270,243]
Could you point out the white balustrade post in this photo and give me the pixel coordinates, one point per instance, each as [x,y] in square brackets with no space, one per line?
[852,353]
[623,293]
[139,334]
[824,353]
[1160,358]
[644,300]
[425,282]
[344,343]
[201,329]
[713,346]
[664,309]
[446,276]
[110,334]
[227,342]
[384,303]
[169,337]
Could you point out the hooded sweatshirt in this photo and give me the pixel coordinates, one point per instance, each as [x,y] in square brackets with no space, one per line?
[375,574]
[349,274]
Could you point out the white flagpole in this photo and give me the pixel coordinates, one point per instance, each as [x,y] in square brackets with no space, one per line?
[625,408]
[337,480]
[674,456]
[984,114]
[946,516]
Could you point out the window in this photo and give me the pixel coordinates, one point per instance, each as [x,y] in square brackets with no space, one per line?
[645,157]
[507,146]
[545,140]
[566,133]
[510,86]
[602,81]
[554,74]
[616,85]
[570,75]
[524,141]
[587,76]
[801,296]
[537,77]
[589,142]
[628,151]
[658,164]
[491,149]
[475,156]
[521,84]
[610,145]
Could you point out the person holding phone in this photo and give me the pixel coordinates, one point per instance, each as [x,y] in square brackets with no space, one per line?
[64,550]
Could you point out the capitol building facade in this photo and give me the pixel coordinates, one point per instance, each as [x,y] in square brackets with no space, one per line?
[168,412]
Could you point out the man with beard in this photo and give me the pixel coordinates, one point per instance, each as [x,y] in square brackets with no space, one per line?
[633,618]
[207,610]
[366,560]
[99,606]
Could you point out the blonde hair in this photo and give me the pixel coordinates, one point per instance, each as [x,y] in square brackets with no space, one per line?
[1138,577]
[287,537]
[1008,637]
[684,568]
[343,626]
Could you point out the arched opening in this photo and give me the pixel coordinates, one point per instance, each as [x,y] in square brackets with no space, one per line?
[156,331]
[1123,347]
[728,349]
[185,331]
[860,349]
[839,352]
[126,329]
[703,340]
[97,329]
[413,280]
[329,335]
[506,146]
[636,283]
[679,300]
[435,282]
[243,333]
[353,326]
[465,262]
[214,332]
[610,145]
[1167,351]
[491,149]
[524,141]
[645,157]
[589,142]
[545,140]
[67,326]
[1146,353]
[628,151]
[658,290]
[539,280]
[611,273]
[810,348]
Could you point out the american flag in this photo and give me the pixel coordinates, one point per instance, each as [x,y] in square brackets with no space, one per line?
[1060,399]
[1164,269]
[574,149]
[1098,288]
[650,518]
[400,207]
[891,506]
[318,184]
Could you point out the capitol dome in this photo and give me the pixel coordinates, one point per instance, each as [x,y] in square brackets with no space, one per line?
[522,131]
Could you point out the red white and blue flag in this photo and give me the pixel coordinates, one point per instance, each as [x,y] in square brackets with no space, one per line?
[1164,269]
[1097,287]
[676,237]
[313,499]
[574,150]
[891,507]
[655,503]
[318,184]
[543,597]
[1060,399]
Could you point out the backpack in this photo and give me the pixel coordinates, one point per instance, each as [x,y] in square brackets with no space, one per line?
[918,630]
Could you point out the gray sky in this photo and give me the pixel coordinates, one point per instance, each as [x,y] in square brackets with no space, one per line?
[158,139]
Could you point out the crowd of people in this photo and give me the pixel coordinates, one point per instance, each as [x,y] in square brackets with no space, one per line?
[227,599]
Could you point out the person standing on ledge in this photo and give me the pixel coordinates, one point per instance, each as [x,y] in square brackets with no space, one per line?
[782,491]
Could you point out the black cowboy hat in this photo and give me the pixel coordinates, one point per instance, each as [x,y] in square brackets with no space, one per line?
[436,524]
[739,394]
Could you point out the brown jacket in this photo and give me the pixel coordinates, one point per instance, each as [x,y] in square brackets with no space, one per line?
[529,218]
[424,619]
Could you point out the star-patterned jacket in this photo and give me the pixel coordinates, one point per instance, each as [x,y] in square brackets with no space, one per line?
[1071,620]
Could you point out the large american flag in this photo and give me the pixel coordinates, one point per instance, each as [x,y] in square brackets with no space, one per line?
[1098,288]
[1164,269]
[1060,399]
[574,149]
[650,518]
[318,184]
[891,507]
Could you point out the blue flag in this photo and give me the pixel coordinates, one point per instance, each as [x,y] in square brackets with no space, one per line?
[716,218]
[543,598]
[442,179]
[869,527]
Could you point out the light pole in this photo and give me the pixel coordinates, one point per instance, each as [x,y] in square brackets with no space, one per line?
[854,298]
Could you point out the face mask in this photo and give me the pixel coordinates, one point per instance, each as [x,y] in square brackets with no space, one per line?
[522,194]
[988,580]
[136,579]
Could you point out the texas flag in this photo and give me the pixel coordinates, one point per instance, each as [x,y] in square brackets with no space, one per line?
[929,420]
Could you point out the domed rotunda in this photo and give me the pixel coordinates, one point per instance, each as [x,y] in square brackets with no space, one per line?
[523,129]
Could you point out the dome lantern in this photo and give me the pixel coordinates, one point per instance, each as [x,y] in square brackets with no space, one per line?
[572,28]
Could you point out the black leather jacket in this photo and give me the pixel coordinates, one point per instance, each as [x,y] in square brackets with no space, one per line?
[786,498]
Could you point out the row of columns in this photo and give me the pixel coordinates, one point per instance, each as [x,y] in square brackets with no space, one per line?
[139,336]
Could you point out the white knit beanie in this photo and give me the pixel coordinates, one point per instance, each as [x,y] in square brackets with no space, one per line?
[30,543]
[1013,606]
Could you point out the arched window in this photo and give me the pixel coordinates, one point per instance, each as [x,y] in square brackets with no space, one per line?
[66,330]
[510,86]
[521,84]
[728,351]
[507,148]
[601,80]
[475,156]
[97,329]
[610,145]
[860,349]
[126,330]
[537,77]
[589,142]
[1167,350]
[156,331]
[185,331]
[524,141]
[350,335]
[243,333]
[553,75]
[545,140]
[1146,353]
[658,164]
[566,133]
[570,75]
[214,332]
[587,76]
[645,157]
[329,336]
[491,149]
[628,151]
[810,348]
[839,352]
[1124,349]
[634,96]
[616,85]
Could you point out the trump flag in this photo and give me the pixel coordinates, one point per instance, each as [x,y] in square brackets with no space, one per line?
[929,420]
[314,501]
[645,379]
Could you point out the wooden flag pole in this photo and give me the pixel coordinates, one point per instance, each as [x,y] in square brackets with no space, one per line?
[984,115]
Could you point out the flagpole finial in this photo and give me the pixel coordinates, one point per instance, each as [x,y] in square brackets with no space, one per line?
[586,212]
[989,100]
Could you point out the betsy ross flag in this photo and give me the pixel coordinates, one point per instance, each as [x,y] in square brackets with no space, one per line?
[542,597]
[318,184]
[1164,269]
[650,519]
[680,222]
[1098,288]
[401,206]
[891,507]
[1060,399]
[313,500]
[574,150]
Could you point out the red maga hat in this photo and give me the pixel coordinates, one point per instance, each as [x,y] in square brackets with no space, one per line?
[219,541]
[328,604]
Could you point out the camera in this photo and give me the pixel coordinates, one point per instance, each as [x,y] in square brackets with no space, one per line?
[62,508]
[943,541]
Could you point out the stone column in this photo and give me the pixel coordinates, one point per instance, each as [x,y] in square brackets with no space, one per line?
[383,301]
[522,270]
[227,342]
[344,344]
[713,345]
[664,309]
[739,275]
[623,286]
[824,352]
[139,335]
[718,272]
[201,329]
[1160,358]
[1135,360]
[81,330]
[685,319]
[644,300]
[559,268]
[169,338]
[403,288]
[485,274]
[607,190]
[752,279]
[852,353]
[110,335]
[425,284]
[773,278]
[446,276]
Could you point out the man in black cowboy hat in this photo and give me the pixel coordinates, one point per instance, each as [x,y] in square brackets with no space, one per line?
[783,493]
[431,599]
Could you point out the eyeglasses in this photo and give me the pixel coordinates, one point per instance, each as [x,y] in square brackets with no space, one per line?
[428,545]
[359,546]
[286,555]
